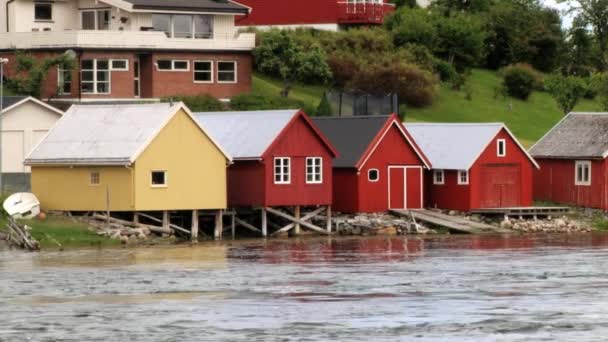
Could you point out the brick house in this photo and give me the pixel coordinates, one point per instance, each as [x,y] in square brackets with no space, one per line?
[129,49]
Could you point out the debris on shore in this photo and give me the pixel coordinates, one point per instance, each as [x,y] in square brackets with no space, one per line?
[125,231]
[366,224]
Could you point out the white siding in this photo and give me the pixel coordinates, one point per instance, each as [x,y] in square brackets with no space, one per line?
[22,128]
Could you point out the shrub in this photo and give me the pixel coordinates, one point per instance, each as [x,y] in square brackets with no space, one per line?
[324,108]
[566,90]
[519,82]
[539,82]
[445,70]
[199,103]
[261,102]
[600,84]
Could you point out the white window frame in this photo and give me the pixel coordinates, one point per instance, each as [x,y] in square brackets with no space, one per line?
[96,22]
[95,70]
[461,174]
[126,68]
[211,71]
[281,173]
[91,183]
[236,68]
[314,174]
[159,185]
[504,147]
[438,172]
[583,164]
[173,65]
[369,179]
[61,81]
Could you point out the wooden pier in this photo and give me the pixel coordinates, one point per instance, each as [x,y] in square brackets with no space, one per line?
[522,212]
[453,223]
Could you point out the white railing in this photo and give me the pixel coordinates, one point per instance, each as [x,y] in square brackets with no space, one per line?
[124,39]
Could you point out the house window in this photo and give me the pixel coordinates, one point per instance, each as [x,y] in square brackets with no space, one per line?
[463,177]
[438,177]
[226,72]
[501,147]
[64,81]
[43,11]
[583,173]
[95,76]
[119,65]
[203,72]
[373,175]
[95,19]
[282,170]
[94,178]
[159,179]
[184,26]
[314,170]
[172,65]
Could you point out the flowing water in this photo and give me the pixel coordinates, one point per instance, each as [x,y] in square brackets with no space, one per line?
[457,288]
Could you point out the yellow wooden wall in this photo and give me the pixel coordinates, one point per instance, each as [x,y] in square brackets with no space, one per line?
[68,188]
[196,170]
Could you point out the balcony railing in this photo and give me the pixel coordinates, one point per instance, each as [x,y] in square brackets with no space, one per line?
[362,12]
[124,40]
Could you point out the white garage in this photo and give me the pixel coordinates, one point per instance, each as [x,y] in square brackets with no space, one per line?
[25,121]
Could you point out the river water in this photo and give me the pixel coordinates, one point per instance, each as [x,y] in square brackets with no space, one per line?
[451,288]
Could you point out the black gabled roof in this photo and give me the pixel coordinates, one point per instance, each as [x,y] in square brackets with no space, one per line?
[8,101]
[220,6]
[351,136]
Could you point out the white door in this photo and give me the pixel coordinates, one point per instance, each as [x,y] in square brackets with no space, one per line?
[13,151]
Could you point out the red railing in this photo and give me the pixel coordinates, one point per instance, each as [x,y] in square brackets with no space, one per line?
[362,12]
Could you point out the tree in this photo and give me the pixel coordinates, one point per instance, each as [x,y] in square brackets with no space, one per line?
[461,40]
[600,84]
[594,13]
[565,90]
[448,7]
[31,73]
[413,26]
[278,54]
[324,108]
[578,57]
[405,3]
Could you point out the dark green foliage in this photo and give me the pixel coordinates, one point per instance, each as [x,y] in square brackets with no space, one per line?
[324,108]
[260,102]
[600,85]
[405,3]
[199,103]
[413,26]
[566,90]
[594,14]
[519,82]
[445,71]
[31,73]
[461,39]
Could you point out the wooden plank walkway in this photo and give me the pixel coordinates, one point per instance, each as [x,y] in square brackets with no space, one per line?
[523,211]
[454,223]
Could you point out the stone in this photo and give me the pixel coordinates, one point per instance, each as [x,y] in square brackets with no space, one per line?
[506,224]
[560,223]
[453,213]
[124,239]
[387,231]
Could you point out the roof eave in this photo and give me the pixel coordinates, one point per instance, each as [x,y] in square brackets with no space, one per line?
[139,8]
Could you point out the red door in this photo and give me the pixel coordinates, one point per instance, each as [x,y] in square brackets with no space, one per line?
[414,187]
[500,185]
[396,187]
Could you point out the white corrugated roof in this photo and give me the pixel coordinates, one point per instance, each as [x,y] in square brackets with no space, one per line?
[102,134]
[453,146]
[245,135]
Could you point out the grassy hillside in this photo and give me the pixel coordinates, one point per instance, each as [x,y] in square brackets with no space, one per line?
[529,120]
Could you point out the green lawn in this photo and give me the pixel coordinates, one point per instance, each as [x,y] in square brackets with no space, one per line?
[308,94]
[529,120]
[61,232]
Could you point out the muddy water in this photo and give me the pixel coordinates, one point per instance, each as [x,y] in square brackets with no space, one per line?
[377,289]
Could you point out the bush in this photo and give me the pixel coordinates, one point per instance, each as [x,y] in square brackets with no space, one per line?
[445,70]
[199,103]
[519,82]
[324,108]
[261,102]
[566,90]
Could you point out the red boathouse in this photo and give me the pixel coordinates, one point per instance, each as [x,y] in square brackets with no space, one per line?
[319,14]
[280,160]
[475,166]
[573,164]
[379,167]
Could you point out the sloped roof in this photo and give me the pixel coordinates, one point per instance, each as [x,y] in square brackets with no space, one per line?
[351,136]
[103,134]
[246,135]
[578,135]
[221,6]
[454,146]
[9,101]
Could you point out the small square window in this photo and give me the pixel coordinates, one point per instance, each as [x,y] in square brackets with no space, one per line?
[438,177]
[226,72]
[164,65]
[582,173]
[373,175]
[181,65]
[159,179]
[463,177]
[501,147]
[94,178]
[314,170]
[282,170]
[120,65]
[203,72]
[43,11]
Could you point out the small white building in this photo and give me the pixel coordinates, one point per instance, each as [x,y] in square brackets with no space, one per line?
[25,121]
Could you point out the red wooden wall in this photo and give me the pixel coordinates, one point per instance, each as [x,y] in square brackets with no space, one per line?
[282,12]
[450,195]
[246,184]
[346,190]
[555,182]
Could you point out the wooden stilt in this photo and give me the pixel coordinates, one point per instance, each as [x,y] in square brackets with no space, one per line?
[295,220]
[297,230]
[246,225]
[166,223]
[304,218]
[194,229]
[218,225]
[136,218]
[264,223]
[233,225]
[328,219]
